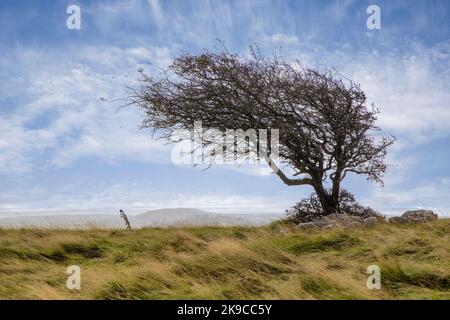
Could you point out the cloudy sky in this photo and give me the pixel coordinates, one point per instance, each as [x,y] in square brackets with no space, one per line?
[63,149]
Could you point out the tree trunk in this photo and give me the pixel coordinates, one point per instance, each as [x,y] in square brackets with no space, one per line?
[336,188]
[329,205]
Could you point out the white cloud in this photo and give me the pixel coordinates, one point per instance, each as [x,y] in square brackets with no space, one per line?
[280,38]
[61,111]
[412,91]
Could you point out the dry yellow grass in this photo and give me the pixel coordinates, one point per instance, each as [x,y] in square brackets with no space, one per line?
[274,262]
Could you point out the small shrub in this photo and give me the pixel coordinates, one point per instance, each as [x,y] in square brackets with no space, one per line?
[310,209]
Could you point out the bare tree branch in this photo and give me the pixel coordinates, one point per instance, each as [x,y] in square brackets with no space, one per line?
[326,128]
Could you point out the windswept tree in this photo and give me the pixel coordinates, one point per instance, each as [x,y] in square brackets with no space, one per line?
[326,127]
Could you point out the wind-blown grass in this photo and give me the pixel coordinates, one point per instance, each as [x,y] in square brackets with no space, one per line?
[274,262]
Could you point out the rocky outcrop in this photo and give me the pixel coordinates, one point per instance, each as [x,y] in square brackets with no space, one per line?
[419,216]
[339,220]
[395,220]
[415,216]
[347,221]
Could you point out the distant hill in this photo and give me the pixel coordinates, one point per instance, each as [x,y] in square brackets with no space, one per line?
[154,218]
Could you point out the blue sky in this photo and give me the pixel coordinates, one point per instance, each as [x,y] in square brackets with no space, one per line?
[63,149]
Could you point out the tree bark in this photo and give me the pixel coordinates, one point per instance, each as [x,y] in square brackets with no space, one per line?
[326,200]
[336,188]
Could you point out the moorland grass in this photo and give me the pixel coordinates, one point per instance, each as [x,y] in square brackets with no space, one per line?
[277,261]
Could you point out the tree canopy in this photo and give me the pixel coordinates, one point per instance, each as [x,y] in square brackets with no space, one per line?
[326,127]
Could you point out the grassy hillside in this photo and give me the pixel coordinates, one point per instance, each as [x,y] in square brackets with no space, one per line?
[274,262]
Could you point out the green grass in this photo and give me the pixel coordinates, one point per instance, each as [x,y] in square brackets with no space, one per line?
[274,262]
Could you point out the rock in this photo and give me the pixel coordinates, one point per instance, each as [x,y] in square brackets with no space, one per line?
[343,220]
[339,220]
[307,225]
[370,222]
[417,216]
[321,224]
[395,220]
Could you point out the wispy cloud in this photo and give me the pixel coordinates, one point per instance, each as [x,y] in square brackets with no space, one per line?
[61,112]
[157,12]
